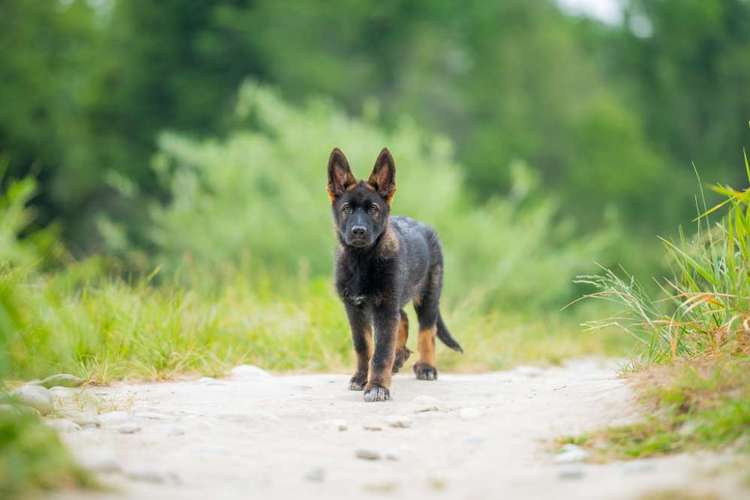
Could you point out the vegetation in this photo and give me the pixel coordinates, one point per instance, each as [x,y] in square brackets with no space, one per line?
[697,339]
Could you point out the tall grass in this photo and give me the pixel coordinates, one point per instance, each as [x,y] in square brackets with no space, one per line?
[704,306]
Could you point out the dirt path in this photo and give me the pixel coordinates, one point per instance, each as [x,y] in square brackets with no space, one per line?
[252,435]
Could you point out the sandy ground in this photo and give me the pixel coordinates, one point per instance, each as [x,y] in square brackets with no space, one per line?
[253,435]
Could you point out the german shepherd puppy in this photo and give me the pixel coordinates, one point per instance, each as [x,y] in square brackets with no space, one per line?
[382,263]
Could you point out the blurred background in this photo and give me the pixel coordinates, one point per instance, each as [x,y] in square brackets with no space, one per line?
[188,139]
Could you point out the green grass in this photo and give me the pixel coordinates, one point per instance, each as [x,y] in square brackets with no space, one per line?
[109,329]
[33,459]
[694,372]
[691,406]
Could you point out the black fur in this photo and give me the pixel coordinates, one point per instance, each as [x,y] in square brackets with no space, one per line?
[383,262]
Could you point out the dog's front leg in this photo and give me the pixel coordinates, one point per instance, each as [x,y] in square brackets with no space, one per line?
[360,321]
[386,320]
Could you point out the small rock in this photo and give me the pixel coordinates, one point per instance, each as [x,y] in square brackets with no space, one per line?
[398,421]
[469,413]
[149,415]
[638,467]
[392,456]
[529,371]
[63,393]
[175,431]
[145,475]
[372,426]
[63,425]
[248,371]
[62,380]
[36,397]
[97,461]
[426,403]
[333,424]
[128,428]
[316,475]
[570,472]
[86,421]
[368,454]
[571,453]
[113,418]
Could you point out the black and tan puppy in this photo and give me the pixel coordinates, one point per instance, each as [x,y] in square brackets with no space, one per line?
[384,262]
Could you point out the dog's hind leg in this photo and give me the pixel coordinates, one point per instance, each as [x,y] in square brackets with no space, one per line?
[402,352]
[428,312]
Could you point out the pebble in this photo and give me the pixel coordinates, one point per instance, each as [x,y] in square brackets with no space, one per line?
[248,371]
[333,424]
[113,418]
[86,420]
[145,475]
[36,397]
[63,393]
[571,453]
[529,371]
[372,426]
[398,421]
[469,413]
[63,425]
[210,381]
[392,456]
[97,461]
[638,467]
[149,415]
[175,431]
[62,380]
[128,429]
[316,475]
[426,403]
[368,454]
[570,472]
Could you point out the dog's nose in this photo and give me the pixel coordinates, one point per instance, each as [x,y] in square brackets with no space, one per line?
[359,231]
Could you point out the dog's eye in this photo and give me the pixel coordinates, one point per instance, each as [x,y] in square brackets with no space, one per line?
[374,209]
[347,209]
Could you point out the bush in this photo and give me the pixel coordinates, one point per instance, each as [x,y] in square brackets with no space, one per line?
[259,196]
[704,308]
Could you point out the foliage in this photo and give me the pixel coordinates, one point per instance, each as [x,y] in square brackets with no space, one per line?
[705,307]
[259,194]
[610,116]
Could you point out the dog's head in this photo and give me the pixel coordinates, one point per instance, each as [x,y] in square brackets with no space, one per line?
[361,208]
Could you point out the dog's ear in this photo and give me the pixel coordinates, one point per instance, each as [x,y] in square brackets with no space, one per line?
[383,176]
[339,174]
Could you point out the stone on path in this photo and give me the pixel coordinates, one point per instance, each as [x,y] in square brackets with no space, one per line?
[398,421]
[62,380]
[368,454]
[35,396]
[248,371]
[128,428]
[571,453]
[63,425]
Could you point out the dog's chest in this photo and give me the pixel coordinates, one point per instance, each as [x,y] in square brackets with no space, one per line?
[363,285]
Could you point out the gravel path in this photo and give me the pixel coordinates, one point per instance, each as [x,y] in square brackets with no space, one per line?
[253,435]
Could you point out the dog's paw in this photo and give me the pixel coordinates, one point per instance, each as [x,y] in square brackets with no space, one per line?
[377,393]
[401,356]
[357,382]
[423,371]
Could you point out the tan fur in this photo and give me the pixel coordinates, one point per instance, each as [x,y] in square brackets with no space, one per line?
[390,244]
[426,346]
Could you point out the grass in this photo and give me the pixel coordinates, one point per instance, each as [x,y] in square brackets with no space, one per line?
[33,459]
[694,372]
[692,405]
[109,329]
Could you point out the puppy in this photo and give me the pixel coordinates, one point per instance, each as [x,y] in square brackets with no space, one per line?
[384,262]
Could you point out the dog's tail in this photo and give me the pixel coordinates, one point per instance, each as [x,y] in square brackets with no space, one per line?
[444,335]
